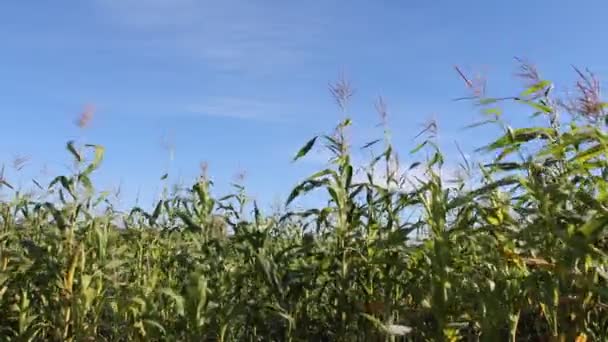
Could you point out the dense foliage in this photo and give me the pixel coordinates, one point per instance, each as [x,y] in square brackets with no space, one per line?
[518,253]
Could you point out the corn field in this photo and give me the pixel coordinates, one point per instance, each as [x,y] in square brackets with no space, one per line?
[515,252]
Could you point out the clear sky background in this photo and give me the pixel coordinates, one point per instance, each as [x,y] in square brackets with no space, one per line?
[242,84]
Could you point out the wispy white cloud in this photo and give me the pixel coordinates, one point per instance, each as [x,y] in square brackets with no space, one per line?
[232,35]
[240,108]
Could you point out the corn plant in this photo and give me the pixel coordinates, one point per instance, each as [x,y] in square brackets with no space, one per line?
[516,251]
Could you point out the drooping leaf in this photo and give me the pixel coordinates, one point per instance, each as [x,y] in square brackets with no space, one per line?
[72,149]
[156,212]
[334,195]
[190,225]
[3,182]
[99,152]
[155,324]
[322,173]
[65,182]
[521,135]
[57,215]
[303,188]
[466,198]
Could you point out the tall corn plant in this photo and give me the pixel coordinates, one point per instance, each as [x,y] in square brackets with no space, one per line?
[398,252]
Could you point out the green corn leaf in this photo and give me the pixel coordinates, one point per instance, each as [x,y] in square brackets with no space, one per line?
[303,188]
[480,123]
[521,135]
[488,100]
[305,149]
[322,173]
[114,264]
[414,165]
[535,88]
[486,189]
[86,182]
[349,176]
[57,215]
[437,159]
[590,153]
[506,152]
[157,211]
[72,149]
[419,147]
[99,152]
[190,225]
[371,143]
[334,195]
[295,193]
[593,225]
[538,106]
[155,324]
[37,184]
[3,182]
[65,182]
[281,312]
[505,166]
[176,298]
[256,212]
[495,112]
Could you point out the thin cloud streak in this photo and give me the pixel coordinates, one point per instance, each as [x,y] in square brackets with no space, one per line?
[233,35]
[240,108]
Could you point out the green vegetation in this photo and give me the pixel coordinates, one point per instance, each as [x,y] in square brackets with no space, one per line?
[518,253]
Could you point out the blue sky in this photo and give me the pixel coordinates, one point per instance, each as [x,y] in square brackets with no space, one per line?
[242,84]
